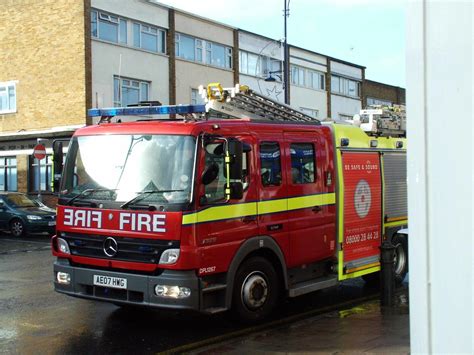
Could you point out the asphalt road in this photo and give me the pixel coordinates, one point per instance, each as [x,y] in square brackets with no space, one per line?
[35,319]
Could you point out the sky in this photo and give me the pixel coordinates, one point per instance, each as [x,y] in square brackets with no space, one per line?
[365,32]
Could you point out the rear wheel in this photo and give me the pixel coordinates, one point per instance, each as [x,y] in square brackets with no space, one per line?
[400,257]
[17,228]
[255,292]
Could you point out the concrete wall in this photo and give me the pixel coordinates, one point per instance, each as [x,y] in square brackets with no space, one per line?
[440,176]
[260,45]
[141,10]
[45,48]
[203,28]
[111,59]
[344,105]
[189,75]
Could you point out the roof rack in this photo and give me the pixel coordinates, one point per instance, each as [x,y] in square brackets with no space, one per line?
[237,102]
[242,102]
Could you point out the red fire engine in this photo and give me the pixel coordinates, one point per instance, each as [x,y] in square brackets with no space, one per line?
[228,206]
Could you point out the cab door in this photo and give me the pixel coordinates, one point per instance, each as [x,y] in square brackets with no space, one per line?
[311,218]
[223,226]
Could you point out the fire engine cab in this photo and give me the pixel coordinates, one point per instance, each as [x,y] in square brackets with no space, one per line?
[228,205]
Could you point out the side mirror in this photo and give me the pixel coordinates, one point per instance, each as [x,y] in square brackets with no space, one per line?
[235,150]
[57,164]
[210,174]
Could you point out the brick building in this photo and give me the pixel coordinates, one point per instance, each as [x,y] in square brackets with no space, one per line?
[376,93]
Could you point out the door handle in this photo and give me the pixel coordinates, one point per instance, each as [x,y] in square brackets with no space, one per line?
[248,219]
[317,209]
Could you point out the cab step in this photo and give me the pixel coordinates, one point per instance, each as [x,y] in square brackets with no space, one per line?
[312,285]
[214,310]
[214,287]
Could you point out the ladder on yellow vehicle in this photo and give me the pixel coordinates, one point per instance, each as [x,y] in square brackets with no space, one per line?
[242,102]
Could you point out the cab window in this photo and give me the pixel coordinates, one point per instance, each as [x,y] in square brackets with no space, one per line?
[270,164]
[302,163]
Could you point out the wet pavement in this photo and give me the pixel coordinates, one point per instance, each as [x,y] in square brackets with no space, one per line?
[366,328]
[35,319]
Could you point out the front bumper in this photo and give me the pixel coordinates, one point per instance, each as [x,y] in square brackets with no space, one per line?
[140,288]
[40,227]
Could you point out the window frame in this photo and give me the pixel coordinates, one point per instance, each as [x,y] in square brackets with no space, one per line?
[144,28]
[47,164]
[280,181]
[97,16]
[314,175]
[119,102]
[7,87]
[7,168]
[203,51]
[343,86]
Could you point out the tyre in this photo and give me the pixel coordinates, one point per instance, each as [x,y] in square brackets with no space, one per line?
[17,228]
[401,257]
[256,290]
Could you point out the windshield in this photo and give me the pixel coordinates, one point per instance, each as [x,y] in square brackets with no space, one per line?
[120,167]
[18,200]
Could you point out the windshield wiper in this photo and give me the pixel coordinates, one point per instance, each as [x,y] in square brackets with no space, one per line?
[142,194]
[87,192]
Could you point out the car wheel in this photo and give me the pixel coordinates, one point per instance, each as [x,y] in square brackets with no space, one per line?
[17,228]
[255,292]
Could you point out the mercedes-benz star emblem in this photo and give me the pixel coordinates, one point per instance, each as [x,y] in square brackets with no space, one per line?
[110,247]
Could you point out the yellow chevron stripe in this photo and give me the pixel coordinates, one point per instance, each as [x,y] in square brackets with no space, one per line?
[258,208]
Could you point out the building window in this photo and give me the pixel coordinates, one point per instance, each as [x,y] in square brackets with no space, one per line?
[149,38]
[196,99]
[199,50]
[302,163]
[345,117]
[7,97]
[345,86]
[316,80]
[260,66]
[130,91]
[374,101]
[108,27]
[310,112]
[45,173]
[297,75]
[8,174]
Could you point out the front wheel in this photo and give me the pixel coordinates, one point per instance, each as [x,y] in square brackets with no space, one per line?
[255,292]
[17,228]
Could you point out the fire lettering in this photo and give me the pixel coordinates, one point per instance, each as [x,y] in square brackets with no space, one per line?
[141,222]
[82,218]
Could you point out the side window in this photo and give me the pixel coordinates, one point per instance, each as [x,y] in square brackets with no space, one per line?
[214,169]
[270,163]
[302,163]
[245,170]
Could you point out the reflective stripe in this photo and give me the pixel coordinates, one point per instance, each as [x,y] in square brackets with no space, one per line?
[258,208]
[397,223]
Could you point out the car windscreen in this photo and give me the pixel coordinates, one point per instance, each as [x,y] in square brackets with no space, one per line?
[17,200]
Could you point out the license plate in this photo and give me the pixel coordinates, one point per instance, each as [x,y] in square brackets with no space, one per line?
[114,282]
[53,223]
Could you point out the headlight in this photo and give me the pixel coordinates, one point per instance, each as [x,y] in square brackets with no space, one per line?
[169,256]
[63,278]
[172,291]
[32,217]
[63,246]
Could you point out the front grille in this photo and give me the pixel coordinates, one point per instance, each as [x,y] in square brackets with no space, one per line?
[129,249]
[113,294]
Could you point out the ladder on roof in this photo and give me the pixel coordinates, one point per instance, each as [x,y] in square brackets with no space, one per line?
[236,102]
[242,102]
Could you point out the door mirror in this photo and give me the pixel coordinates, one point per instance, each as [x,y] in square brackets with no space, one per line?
[210,174]
[57,164]
[235,151]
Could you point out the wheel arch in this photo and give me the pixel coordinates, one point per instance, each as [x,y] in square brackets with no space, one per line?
[258,246]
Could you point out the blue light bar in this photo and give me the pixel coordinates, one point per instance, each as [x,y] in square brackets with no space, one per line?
[146,110]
